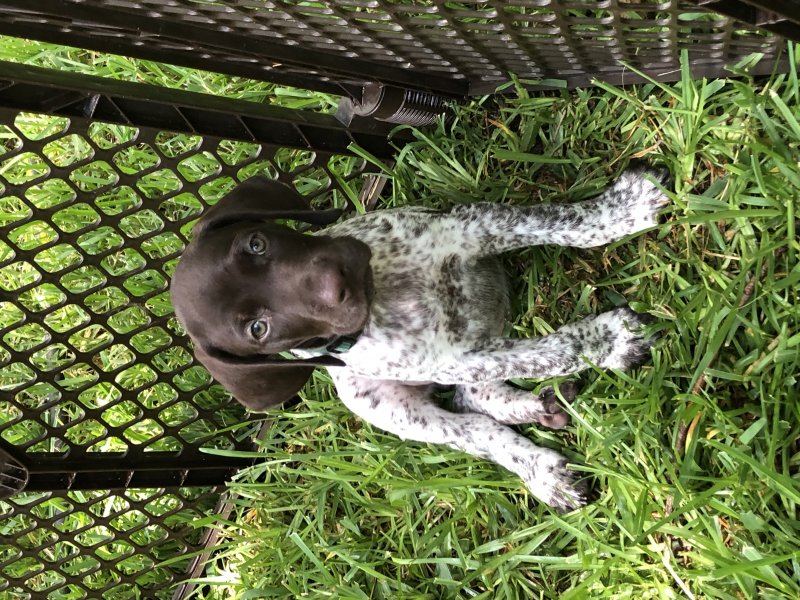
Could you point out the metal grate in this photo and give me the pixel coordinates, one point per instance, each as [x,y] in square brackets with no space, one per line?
[98,388]
[452,48]
[100,544]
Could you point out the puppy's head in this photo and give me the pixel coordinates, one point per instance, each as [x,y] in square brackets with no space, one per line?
[247,288]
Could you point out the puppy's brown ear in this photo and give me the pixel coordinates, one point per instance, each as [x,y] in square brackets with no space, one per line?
[257,386]
[262,199]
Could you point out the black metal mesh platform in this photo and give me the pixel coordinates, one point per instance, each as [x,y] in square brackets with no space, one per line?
[106,420]
[452,48]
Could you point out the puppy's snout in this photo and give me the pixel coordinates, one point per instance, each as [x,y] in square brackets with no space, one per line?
[331,285]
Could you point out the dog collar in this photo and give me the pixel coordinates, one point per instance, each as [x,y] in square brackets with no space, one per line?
[343,343]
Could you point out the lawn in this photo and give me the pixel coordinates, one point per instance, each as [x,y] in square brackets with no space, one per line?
[695,455]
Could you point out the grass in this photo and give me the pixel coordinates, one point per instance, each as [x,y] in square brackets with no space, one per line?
[695,455]
[112,66]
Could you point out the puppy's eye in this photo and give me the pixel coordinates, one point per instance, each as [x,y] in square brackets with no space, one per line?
[257,244]
[258,329]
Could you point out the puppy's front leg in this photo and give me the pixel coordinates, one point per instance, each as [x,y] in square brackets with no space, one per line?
[610,340]
[411,414]
[628,206]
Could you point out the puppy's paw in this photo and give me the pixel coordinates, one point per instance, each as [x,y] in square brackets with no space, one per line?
[552,415]
[621,334]
[636,197]
[552,482]
[568,390]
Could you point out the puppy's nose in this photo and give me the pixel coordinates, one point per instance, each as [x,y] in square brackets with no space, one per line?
[331,285]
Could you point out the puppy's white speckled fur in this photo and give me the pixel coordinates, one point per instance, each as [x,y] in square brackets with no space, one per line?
[437,315]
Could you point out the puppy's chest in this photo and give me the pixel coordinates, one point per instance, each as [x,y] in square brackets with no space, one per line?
[422,286]
[419,296]
[430,301]
[427,308]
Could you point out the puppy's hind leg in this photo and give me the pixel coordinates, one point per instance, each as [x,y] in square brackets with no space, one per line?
[512,406]
[410,413]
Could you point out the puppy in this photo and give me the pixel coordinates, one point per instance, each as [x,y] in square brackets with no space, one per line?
[395,300]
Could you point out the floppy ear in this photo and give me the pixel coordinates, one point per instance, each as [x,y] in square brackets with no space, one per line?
[257,386]
[262,199]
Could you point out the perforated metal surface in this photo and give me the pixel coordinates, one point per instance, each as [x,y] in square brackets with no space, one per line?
[98,388]
[99,544]
[458,48]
